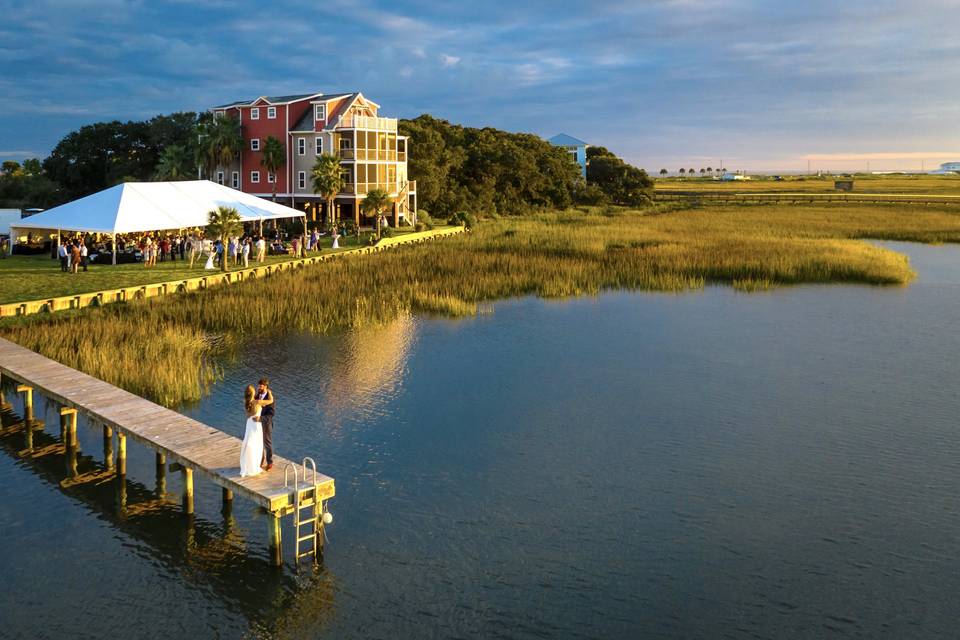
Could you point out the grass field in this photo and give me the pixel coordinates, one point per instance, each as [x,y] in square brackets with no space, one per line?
[35,277]
[862,183]
[552,254]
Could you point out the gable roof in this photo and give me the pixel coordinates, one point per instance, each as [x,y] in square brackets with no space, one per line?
[270,100]
[563,140]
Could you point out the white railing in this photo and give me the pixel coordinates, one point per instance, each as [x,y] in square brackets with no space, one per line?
[351,121]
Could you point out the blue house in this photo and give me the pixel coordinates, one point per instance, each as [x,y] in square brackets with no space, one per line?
[577,148]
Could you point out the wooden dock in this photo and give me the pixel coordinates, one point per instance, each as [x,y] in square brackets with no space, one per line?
[191,446]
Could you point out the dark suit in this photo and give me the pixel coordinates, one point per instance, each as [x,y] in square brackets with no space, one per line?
[266,423]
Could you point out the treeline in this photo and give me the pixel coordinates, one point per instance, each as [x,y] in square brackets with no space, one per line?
[457,169]
[487,170]
[95,157]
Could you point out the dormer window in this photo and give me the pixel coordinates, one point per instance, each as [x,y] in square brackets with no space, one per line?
[319,112]
[271,113]
[255,144]
[255,113]
[218,114]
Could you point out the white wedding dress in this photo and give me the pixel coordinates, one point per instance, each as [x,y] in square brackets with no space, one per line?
[209,266]
[251,451]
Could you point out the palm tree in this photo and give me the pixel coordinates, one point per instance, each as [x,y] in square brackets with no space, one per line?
[682,171]
[691,170]
[175,163]
[709,169]
[376,201]
[220,142]
[274,157]
[663,172]
[327,181]
[702,171]
[223,223]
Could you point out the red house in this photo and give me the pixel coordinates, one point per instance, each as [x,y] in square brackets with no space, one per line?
[371,153]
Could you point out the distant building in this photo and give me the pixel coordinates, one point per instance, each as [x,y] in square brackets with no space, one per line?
[576,148]
[728,177]
[948,167]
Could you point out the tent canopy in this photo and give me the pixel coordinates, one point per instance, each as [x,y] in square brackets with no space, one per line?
[136,207]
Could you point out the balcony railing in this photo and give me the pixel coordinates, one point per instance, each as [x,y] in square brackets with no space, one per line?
[352,121]
[390,187]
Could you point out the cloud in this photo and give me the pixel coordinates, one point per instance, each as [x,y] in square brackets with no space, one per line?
[659,81]
[449,61]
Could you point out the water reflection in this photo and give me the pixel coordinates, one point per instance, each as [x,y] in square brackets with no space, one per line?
[215,557]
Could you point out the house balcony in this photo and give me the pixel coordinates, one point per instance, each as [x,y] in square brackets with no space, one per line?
[394,189]
[352,121]
[373,154]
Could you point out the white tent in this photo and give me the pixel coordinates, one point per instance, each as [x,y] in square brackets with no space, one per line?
[137,207]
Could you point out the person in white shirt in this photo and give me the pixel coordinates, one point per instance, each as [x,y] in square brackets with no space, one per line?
[245,251]
[84,254]
[64,258]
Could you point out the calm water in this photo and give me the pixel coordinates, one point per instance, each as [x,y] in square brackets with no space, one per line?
[635,465]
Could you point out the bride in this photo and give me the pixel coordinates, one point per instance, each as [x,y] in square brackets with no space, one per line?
[251,451]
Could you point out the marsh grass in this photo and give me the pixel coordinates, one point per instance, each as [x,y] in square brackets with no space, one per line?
[170,349]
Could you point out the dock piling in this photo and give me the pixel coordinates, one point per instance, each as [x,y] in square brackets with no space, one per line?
[273,525]
[108,447]
[161,474]
[121,454]
[68,426]
[27,392]
[187,490]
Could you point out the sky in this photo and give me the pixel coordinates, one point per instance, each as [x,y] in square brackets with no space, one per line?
[753,85]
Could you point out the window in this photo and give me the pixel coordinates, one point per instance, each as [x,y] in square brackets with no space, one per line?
[318,150]
[219,177]
[319,112]
[255,113]
[255,177]
[271,113]
[271,177]
[302,179]
[346,143]
[301,146]
[236,179]
[218,114]
[255,144]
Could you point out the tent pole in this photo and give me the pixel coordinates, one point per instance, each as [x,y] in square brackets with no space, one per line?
[114,243]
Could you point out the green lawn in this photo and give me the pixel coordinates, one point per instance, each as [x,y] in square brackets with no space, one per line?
[37,277]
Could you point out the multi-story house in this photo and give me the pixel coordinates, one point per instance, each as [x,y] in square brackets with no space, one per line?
[372,154]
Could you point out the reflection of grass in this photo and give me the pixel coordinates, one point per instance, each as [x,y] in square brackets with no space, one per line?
[168,348]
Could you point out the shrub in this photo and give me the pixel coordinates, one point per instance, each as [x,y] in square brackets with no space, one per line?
[424,218]
[463,218]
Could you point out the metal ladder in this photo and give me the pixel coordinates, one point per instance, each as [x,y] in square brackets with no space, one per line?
[303,499]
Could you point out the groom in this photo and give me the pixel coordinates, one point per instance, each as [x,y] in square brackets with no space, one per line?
[266,421]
